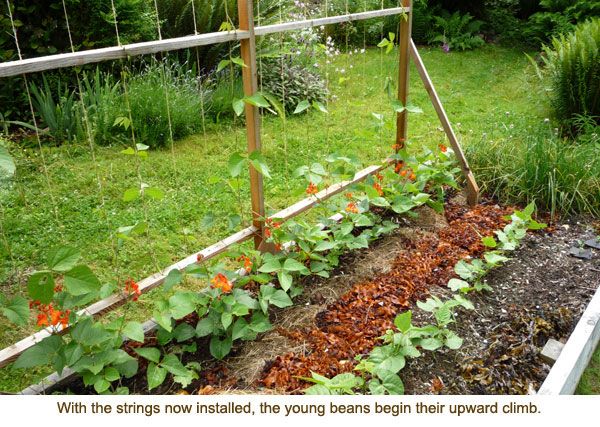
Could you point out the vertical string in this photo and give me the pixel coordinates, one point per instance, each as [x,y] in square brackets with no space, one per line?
[284,100]
[200,87]
[35,124]
[166,90]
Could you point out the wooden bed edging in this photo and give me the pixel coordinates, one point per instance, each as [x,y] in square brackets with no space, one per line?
[576,354]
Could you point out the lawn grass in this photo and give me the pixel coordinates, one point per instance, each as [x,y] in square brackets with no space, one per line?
[79,203]
[590,381]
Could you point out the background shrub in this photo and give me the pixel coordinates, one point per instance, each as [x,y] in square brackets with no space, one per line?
[292,83]
[573,69]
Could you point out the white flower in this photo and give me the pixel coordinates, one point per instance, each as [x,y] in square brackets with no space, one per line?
[362,51]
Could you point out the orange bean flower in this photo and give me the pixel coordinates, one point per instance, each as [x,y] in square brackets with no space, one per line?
[132,289]
[220,281]
[311,189]
[378,188]
[247,263]
[412,177]
[352,208]
[443,148]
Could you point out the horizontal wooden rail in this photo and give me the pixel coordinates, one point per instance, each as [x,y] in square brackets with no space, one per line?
[317,22]
[66,60]
[9,354]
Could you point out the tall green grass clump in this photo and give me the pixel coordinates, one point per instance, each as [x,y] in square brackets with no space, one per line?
[165,100]
[532,162]
[573,68]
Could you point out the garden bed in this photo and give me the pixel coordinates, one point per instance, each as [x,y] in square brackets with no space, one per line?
[539,294]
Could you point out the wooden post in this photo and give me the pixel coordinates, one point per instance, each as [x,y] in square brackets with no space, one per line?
[472,187]
[404,36]
[250,78]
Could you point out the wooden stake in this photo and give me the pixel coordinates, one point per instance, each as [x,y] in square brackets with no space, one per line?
[472,187]
[250,78]
[403,74]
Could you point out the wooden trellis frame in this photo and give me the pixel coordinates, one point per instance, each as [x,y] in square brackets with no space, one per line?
[247,34]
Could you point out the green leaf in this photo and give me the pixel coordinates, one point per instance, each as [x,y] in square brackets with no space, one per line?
[182,304]
[40,287]
[149,353]
[80,280]
[220,348]
[494,258]
[131,194]
[462,269]
[40,354]
[134,331]
[173,278]
[7,164]
[16,310]
[457,285]
[291,264]
[270,266]
[489,241]
[319,106]
[431,344]
[224,63]
[257,100]
[239,61]
[235,164]
[259,163]
[154,193]
[280,299]
[302,106]
[285,280]
[172,364]
[101,385]
[238,106]
[63,258]
[226,319]
[155,375]
[391,382]
[453,341]
[385,359]
[205,326]
[183,332]
[403,321]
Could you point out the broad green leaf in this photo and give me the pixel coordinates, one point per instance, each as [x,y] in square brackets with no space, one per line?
[183,332]
[40,287]
[391,382]
[154,193]
[172,364]
[63,258]
[220,348]
[285,280]
[182,304]
[226,319]
[150,353]
[7,164]
[80,280]
[270,266]
[131,194]
[280,299]
[155,375]
[222,64]
[235,164]
[239,61]
[291,264]
[40,354]
[302,106]
[173,278]
[457,284]
[403,321]
[257,100]
[204,327]
[319,106]
[16,310]
[453,341]
[494,258]
[489,242]
[431,344]
[238,106]
[134,331]
[101,385]
[259,163]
